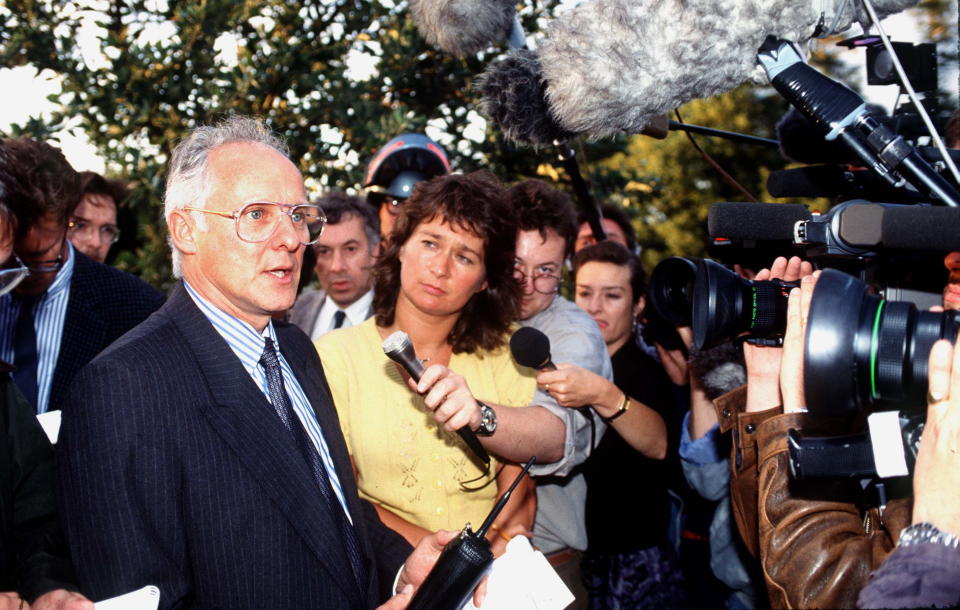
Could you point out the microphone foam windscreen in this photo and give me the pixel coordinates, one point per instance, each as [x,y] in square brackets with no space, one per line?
[530,347]
[463,27]
[921,228]
[512,91]
[755,221]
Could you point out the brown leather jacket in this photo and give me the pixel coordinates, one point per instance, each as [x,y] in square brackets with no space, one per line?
[816,545]
[743,461]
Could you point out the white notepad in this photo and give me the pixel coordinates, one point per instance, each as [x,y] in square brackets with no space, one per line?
[523,579]
[147,598]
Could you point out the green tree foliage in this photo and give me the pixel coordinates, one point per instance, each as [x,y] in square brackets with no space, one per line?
[166,66]
[670,210]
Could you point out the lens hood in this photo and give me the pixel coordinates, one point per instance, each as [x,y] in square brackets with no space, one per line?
[671,289]
[831,377]
[718,297]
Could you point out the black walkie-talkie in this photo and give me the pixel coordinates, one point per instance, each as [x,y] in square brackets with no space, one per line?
[462,563]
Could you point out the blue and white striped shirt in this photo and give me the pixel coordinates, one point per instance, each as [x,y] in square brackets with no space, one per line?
[248,346]
[49,313]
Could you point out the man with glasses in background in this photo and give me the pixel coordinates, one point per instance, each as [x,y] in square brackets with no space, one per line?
[201,452]
[93,225]
[68,308]
[547,229]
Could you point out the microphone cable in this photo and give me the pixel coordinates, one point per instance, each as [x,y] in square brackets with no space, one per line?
[713,163]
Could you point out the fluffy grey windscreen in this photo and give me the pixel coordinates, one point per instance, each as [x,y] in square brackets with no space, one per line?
[614,65]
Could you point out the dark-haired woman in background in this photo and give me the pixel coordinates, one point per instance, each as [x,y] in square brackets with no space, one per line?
[446,279]
[628,563]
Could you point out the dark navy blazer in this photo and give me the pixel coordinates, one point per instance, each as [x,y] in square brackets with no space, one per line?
[104,304]
[174,470]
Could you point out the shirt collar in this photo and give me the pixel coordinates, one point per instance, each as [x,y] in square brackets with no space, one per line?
[65,274]
[243,339]
[357,311]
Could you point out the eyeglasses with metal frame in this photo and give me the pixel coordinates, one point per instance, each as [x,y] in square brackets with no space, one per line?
[544,283]
[107,234]
[9,278]
[256,222]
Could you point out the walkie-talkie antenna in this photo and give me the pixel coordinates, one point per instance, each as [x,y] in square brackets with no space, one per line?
[504,499]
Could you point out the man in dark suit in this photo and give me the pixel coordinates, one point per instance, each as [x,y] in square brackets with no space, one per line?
[345,255]
[201,452]
[70,307]
[35,569]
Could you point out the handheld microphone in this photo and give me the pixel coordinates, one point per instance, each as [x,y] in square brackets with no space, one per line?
[398,348]
[531,348]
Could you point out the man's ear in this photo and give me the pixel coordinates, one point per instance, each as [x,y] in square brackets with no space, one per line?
[183,231]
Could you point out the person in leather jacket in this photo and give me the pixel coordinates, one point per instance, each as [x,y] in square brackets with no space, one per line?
[817,542]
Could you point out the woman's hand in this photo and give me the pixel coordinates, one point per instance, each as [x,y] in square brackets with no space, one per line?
[574,386]
[447,394]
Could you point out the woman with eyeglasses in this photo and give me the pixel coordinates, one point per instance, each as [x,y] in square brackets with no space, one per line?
[628,563]
[446,279]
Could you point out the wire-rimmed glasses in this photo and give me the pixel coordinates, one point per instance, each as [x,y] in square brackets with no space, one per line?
[544,283]
[9,278]
[257,221]
[107,234]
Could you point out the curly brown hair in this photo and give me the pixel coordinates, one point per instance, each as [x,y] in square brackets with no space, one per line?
[476,202]
[36,181]
[539,207]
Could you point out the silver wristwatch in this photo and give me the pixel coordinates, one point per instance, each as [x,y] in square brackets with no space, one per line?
[919,533]
[488,421]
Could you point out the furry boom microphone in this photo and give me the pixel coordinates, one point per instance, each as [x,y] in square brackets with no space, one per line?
[463,27]
[608,66]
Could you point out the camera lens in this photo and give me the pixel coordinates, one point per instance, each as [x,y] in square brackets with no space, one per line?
[671,289]
[725,306]
[862,351]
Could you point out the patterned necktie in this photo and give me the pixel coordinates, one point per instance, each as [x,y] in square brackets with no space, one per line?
[338,318]
[281,402]
[25,350]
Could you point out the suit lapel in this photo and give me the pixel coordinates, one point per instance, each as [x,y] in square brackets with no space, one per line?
[309,372]
[84,332]
[241,415]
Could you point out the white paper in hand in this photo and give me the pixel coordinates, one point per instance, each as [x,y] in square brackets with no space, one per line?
[147,598]
[523,579]
[50,422]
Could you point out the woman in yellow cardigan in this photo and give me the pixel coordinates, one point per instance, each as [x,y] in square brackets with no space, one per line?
[445,278]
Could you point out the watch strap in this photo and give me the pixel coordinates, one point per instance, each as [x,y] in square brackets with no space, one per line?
[923,532]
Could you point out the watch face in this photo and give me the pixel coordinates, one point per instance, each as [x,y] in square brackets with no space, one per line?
[488,420]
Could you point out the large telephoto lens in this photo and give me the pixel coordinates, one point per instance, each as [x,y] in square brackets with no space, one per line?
[725,306]
[671,289]
[863,352]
